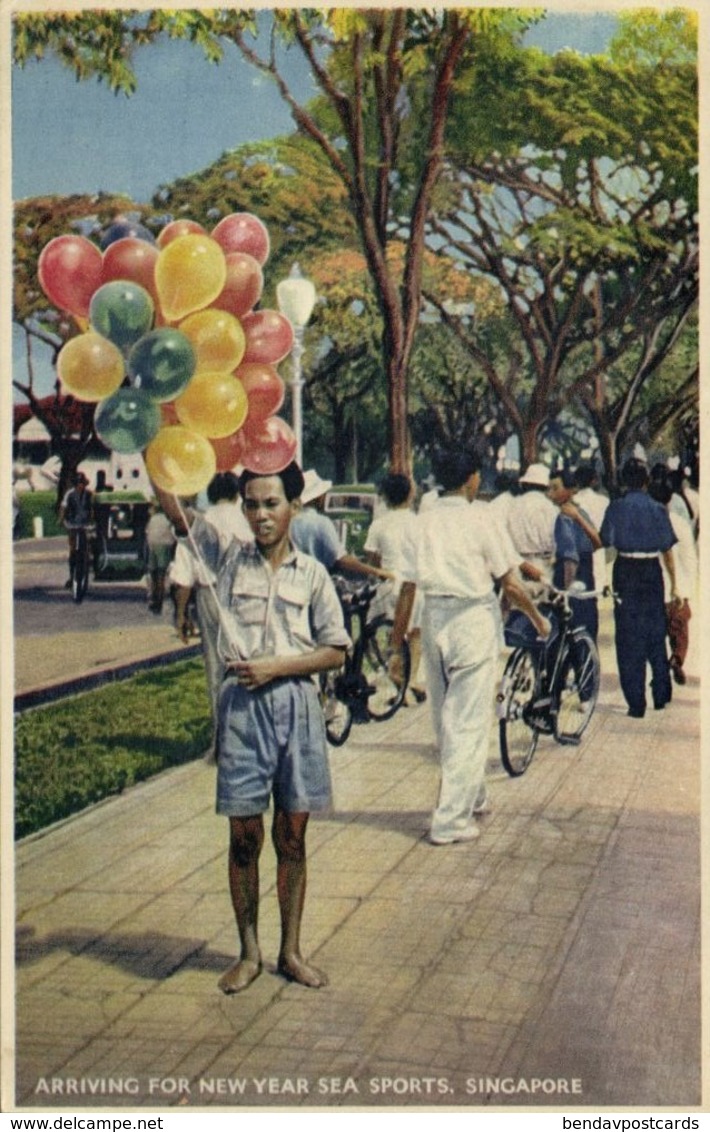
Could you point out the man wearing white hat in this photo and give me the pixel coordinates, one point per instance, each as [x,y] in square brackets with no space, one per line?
[312,532]
[531,524]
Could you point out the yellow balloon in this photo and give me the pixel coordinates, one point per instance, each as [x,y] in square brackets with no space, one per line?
[180,461]
[213,404]
[217,339]
[90,367]
[190,273]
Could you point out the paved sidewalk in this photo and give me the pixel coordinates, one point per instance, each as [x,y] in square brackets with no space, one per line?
[556,961]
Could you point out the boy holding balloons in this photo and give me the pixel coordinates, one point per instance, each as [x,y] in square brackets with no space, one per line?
[281,611]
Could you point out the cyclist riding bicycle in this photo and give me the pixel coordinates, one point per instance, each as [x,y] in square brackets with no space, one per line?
[76,513]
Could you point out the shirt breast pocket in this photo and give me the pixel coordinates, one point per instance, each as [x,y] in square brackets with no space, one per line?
[292,608]
[249,607]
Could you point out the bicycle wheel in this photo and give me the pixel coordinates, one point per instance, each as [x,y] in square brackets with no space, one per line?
[577,687]
[337,714]
[385,669]
[517,734]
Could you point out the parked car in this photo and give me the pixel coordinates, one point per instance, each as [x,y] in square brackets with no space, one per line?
[352,508]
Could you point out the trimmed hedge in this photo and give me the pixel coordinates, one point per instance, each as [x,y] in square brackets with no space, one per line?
[72,754]
[38,503]
[44,504]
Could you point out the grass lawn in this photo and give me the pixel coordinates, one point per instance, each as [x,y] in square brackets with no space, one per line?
[74,753]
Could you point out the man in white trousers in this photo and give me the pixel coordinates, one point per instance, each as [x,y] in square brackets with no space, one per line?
[457,557]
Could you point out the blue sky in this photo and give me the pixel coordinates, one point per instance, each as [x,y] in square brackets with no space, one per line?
[71,137]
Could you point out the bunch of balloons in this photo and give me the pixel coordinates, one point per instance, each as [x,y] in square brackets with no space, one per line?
[171,350]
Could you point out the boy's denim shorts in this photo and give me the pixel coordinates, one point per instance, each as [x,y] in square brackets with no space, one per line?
[271,741]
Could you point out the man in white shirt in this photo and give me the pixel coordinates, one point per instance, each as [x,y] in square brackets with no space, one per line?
[531,525]
[591,500]
[383,547]
[457,556]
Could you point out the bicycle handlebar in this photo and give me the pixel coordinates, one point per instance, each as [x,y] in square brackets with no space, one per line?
[355,594]
[581,595]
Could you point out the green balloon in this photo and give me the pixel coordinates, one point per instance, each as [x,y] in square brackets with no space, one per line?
[162,363]
[127,420]
[122,312]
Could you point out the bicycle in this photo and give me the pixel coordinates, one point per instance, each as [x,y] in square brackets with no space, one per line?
[549,687]
[373,682]
[80,573]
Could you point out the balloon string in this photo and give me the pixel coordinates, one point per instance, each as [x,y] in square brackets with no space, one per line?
[225,619]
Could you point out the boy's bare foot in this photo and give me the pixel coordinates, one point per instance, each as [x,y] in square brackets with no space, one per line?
[293,967]
[239,977]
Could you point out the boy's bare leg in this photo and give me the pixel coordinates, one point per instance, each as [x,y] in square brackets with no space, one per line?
[289,835]
[246,837]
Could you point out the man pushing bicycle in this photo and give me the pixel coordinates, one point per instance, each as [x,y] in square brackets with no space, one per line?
[76,512]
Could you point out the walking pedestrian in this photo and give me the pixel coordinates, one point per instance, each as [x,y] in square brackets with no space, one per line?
[160,540]
[457,557]
[576,539]
[594,504]
[287,625]
[531,526]
[639,529]
[76,512]
[678,609]
[314,533]
[384,546]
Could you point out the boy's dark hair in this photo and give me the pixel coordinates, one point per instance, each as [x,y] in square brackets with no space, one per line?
[585,475]
[452,468]
[634,474]
[661,491]
[395,488]
[291,477]
[225,485]
[568,478]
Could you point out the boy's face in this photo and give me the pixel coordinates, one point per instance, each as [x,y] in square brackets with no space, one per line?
[557,491]
[268,511]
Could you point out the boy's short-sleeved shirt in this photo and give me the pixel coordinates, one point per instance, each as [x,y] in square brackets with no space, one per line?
[285,612]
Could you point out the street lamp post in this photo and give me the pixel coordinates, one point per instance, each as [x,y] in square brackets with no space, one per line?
[296,297]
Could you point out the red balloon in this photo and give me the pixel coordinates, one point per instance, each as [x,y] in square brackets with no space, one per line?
[243,232]
[268,448]
[168,412]
[70,269]
[177,228]
[132,259]
[245,282]
[264,388]
[269,336]
[229,450]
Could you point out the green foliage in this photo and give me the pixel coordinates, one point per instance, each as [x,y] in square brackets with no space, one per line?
[36,222]
[648,37]
[287,183]
[38,504]
[75,753]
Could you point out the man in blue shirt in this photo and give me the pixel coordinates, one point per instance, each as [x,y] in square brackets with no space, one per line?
[641,532]
[576,539]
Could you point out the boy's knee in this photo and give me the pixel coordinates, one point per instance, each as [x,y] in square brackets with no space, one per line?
[289,838]
[245,840]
